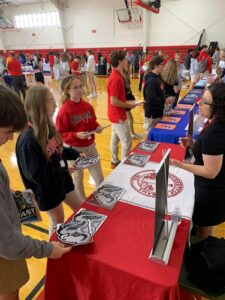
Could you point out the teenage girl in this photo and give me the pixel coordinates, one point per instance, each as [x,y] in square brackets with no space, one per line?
[42,161]
[75,120]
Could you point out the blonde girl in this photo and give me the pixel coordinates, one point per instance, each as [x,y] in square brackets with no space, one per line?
[42,161]
[76,118]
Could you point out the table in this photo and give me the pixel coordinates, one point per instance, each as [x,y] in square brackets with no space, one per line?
[172,136]
[28,77]
[201,84]
[101,69]
[116,265]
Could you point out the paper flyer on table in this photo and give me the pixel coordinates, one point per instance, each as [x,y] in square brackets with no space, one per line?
[170,119]
[147,146]
[178,112]
[81,229]
[165,126]
[136,159]
[106,196]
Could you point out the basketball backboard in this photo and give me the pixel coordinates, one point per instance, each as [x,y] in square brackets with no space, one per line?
[152,5]
[133,14]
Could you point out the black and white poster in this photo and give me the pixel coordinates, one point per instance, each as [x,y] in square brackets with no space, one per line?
[81,229]
[148,146]
[138,160]
[86,162]
[106,196]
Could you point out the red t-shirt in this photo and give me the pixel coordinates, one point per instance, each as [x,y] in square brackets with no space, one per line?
[201,55]
[116,87]
[75,67]
[14,67]
[148,57]
[108,58]
[209,64]
[51,60]
[76,117]
[209,61]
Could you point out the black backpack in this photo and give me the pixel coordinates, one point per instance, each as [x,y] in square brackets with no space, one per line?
[205,262]
[202,66]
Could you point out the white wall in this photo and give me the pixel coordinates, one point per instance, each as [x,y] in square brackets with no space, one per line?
[179,23]
[83,16]
[46,37]
[1,42]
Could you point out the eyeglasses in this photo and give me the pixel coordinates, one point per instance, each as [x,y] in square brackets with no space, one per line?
[204,101]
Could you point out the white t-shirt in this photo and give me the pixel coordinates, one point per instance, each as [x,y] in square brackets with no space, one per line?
[222,64]
[91,64]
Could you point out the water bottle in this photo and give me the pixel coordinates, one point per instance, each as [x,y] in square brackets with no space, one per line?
[176,215]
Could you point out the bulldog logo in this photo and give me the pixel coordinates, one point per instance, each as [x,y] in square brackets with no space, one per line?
[144,183]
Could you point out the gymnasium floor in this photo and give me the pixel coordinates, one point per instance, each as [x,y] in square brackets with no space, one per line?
[7,153]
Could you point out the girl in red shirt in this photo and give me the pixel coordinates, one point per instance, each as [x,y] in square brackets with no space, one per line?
[75,120]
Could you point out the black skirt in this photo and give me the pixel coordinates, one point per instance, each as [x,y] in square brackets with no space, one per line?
[209,209]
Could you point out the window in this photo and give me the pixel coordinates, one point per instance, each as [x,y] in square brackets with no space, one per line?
[37,20]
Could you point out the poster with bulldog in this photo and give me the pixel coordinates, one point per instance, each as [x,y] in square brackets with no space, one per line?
[106,196]
[81,229]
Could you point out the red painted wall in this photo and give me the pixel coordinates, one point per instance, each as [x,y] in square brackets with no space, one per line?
[80,51]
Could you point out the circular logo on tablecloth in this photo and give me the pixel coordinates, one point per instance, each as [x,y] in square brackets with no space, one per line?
[144,183]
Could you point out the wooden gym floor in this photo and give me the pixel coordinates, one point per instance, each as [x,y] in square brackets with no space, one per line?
[39,230]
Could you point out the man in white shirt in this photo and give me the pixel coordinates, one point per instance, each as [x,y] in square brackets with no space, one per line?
[90,73]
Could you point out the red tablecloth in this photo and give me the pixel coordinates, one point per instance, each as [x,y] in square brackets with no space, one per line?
[116,266]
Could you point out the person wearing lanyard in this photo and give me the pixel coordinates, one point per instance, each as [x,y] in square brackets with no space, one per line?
[42,160]
[14,246]
[75,120]
[209,165]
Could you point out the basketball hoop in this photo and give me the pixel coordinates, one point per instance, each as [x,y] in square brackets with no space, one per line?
[150,5]
[133,14]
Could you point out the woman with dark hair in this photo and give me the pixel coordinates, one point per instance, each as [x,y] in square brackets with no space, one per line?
[209,165]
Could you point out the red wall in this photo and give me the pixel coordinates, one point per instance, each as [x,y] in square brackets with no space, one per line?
[79,51]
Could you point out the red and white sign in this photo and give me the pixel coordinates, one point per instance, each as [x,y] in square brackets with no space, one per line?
[140,186]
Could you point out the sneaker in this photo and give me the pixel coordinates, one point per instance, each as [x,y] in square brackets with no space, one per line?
[114,165]
[95,94]
[136,136]
[91,96]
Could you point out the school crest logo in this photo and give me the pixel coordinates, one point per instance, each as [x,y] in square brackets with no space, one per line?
[144,183]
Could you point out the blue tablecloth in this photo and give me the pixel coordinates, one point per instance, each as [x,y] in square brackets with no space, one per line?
[8,80]
[172,136]
[192,97]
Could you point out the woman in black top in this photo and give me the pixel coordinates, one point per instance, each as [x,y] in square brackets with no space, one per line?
[42,160]
[209,165]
